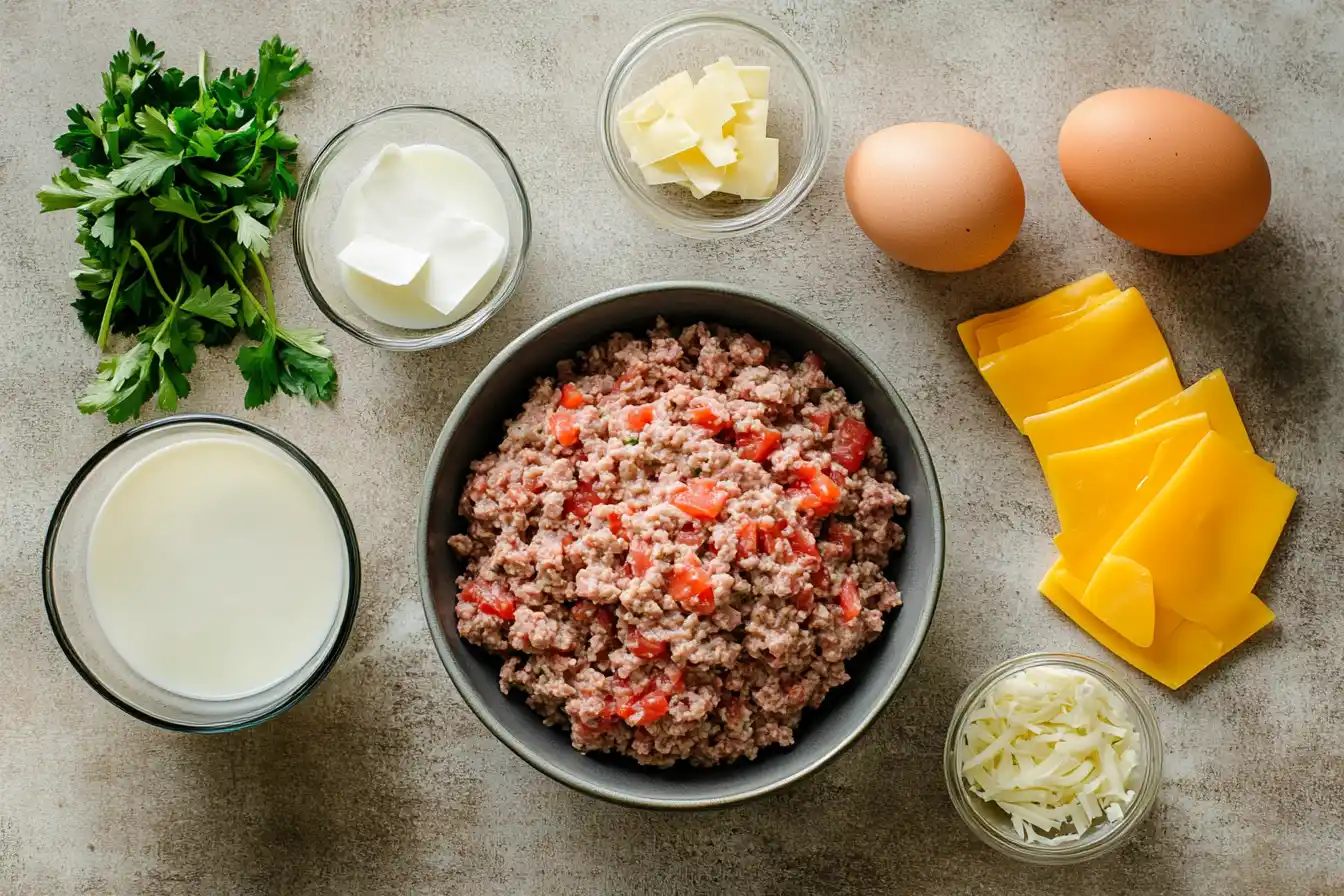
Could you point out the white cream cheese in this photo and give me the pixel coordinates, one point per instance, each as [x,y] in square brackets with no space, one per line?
[421,236]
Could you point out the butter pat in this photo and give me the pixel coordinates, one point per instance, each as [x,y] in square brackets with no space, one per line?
[382,260]
[708,135]
[465,253]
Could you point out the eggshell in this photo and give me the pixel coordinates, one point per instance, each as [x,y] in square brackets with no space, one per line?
[1164,170]
[936,196]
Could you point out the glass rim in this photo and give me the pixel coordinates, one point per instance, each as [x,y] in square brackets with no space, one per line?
[433,338]
[1146,788]
[347,621]
[816,144]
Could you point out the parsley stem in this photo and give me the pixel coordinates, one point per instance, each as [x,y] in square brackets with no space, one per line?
[154,275]
[105,329]
[265,282]
[238,278]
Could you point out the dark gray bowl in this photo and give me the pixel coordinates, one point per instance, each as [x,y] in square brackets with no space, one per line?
[476,427]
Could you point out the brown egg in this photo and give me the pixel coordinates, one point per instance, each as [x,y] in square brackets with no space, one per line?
[1164,170]
[936,196]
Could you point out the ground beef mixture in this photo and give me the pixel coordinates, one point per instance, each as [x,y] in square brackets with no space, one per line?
[678,545]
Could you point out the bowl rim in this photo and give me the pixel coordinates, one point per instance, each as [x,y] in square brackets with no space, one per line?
[458,675]
[434,338]
[816,147]
[328,489]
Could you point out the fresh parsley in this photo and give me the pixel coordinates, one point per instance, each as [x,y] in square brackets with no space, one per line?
[179,183]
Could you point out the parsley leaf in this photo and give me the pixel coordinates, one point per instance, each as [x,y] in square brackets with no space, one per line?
[220,305]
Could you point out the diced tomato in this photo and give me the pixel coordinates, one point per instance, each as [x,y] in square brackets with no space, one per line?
[691,587]
[563,426]
[746,540]
[583,611]
[614,524]
[769,536]
[813,360]
[672,680]
[823,494]
[571,397]
[708,418]
[645,711]
[645,648]
[850,605]
[641,558]
[821,420]
[841,534]
[702,498]
[821,578]
[490,598]
[638,417]
[691,534]
[582,500]
[756,444]
[605,618]
[802,542]
[804,598]
[625,379]
[851,443]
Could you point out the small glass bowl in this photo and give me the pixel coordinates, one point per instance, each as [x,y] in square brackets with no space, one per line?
[71,614]
[799,116]
[337,165]
[992,825]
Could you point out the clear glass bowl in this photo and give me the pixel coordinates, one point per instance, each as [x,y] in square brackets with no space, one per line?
[336,166]
[69,609]
[991,824]
[799,117]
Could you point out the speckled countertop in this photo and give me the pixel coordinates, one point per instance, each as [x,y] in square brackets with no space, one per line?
[383,782]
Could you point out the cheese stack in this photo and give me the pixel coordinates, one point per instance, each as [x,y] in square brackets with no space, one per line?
[1167,517]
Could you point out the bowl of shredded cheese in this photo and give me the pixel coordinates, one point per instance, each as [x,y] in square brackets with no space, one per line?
[1052,759]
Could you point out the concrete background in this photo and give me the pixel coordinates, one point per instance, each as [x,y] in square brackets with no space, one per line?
[383,782]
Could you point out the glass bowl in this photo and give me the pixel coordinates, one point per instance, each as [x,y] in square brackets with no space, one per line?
[338,163]
[991,824]
[799,117]
[71,613]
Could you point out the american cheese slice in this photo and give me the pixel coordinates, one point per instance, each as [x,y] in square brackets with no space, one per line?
[1121,595]
[1114,340]
[1211,396]
[1207,535]
[1099,491]
[1013,331]
[1056,403]
[1180,650]
[1066,298]
[1103,417]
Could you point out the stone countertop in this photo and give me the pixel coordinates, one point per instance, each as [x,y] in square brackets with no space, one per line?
[383,782]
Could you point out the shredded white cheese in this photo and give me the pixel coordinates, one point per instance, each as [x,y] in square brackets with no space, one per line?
[1052,747]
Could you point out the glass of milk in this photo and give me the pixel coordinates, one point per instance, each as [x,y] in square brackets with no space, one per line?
[412,228]
[201,573]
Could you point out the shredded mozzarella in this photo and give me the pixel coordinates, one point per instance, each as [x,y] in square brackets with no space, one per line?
[1051,746]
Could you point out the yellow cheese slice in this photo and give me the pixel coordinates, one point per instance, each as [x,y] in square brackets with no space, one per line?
[1056,403]
[1211,396]
[1180,650]
[1064,299]
[1114,340]
[1164,620]
[1207,535]
[1099,491]
[1103,417]
[1121,595]
[1015,331]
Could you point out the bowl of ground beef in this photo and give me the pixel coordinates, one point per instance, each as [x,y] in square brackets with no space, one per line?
[679,544]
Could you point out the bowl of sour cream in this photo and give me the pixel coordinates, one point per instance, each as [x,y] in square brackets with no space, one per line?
[201,573]
[412,228]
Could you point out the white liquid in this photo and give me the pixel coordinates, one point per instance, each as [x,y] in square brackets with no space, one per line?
[434,200]
[216,568]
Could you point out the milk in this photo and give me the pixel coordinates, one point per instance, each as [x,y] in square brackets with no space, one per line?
[216,568]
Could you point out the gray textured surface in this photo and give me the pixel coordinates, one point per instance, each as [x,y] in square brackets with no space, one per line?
[383,782]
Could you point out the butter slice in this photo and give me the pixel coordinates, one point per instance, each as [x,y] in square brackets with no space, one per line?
[384,261]
[654,103]
[756,174]
[756,79]
[664,138]
[467,251]
[725,79]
